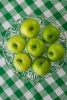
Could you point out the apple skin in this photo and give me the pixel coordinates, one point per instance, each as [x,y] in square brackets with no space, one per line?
[36,47]
[30,28]
[16,44]
[41,66]
[55,52]
[22,61]
[50,34]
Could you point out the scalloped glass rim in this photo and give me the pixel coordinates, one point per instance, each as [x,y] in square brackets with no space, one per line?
[14,29]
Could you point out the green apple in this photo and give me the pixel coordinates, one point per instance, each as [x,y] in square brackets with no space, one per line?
[50,34]
[16,44]
[30,28]
[36,47]
[55,52]
[41,66]
[22,61]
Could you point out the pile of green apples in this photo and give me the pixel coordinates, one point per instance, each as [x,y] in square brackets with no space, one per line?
[35,47]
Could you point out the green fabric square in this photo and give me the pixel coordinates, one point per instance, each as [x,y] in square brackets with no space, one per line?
[23,89]
[1,90]
[53,10]
[8,98]
[32,98]
[14,88]
[2,71]
[18,9]
[65,8]
[43,93]
[10,0]
[66,92]
[38,12]
[48,89]
[57,15]
[7,16]
[38,96]
[2,20]
[33,89]
[29,85]
[57,98]
[65,26]
[3,11]
[14,97]
[33,7]
[59,81]
[49,4]
[1,52]
[3,33]
[18,93]
[5,3]
[43,8]
[23,98]
[59,0]
[53,95]
[1,5]
[23,14]
[9,82]
[29,2]
[24,5]
[63,87]
[3,95]
[64,3]
[63,96]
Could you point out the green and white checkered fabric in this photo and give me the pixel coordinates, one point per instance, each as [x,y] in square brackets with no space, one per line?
[13,88]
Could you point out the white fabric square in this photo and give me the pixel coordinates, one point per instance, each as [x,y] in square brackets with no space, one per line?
[47,98]
[65,32]
[16,17]
[19,83]
[28,10]
[47,13]
[28,95]
[59,6]
[9,7]
[1,98]
[2,62]
[1,14]
[20,1]
[39,3]
[38,87]
[9,92]
[10,73]
[6,25]
[57,22]
[61,72]
[1,80]
[66,83]
[65,17]
[58,91]
[49,80]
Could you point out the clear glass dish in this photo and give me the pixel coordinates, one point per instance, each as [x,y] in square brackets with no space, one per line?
[15,30]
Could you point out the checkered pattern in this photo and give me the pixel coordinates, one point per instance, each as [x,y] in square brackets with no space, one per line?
[13,88]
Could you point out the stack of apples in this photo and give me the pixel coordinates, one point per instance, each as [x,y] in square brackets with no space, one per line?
[35,47]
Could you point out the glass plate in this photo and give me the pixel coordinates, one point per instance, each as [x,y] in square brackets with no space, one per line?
[15,30]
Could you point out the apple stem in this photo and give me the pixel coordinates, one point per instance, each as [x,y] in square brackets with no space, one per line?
[50,36]
[15,45]
[19,60]
[31,28]
[51,53]
[41,63]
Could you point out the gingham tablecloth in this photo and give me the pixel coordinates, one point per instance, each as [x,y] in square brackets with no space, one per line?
[13,88]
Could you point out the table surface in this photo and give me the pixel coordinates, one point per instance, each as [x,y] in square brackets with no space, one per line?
[13,88]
